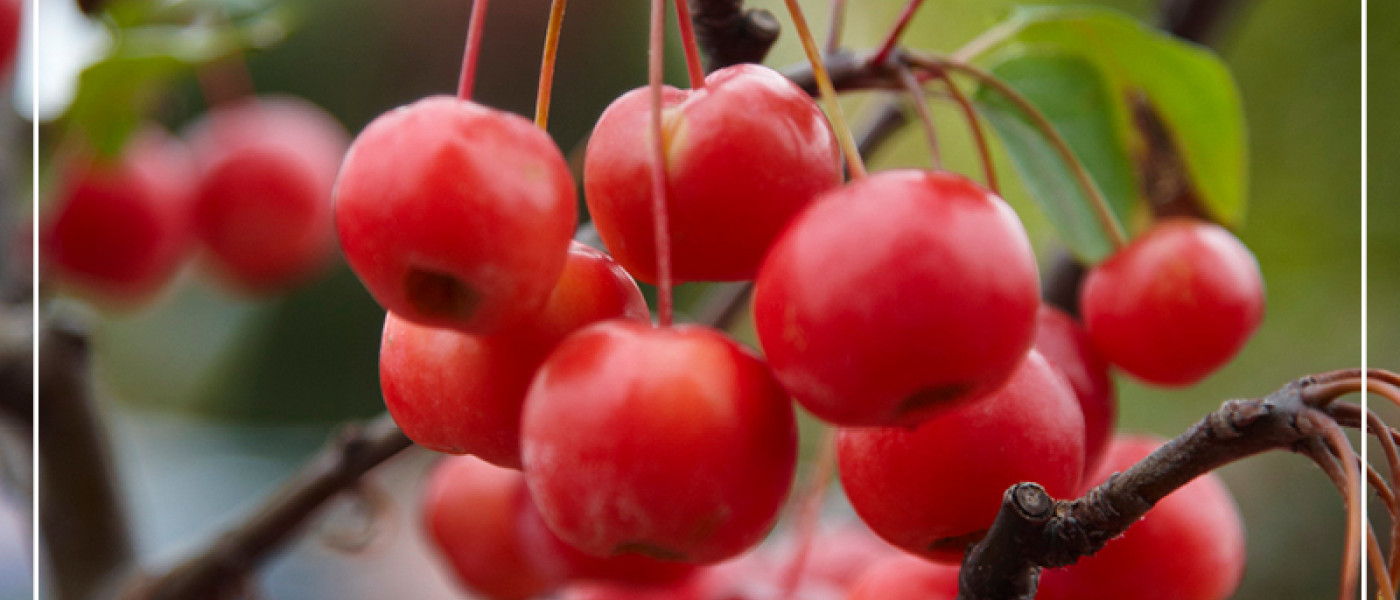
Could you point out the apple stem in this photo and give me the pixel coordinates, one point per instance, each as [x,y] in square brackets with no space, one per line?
[896,33]
[692,48]
[838,23]
[919,99]
[808,507]
[828,92]
[984,151]
[473,50]
[660,222]
[551,53]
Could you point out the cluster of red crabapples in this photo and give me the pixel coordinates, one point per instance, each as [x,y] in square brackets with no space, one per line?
[903,307]
[250,183]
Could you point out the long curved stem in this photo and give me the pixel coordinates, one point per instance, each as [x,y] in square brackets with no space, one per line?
[838,23]
[467,83]
[660,222]
[547,62]
[919,100]
[854,163]
[984,151]
[1102,211]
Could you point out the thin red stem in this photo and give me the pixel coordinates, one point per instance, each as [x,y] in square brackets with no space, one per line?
[692,48]
[896,32]
[662,229]
[838,23]
[984,151]
[809,510]
[854,163]
[466,84]
[551,54]
[919,100]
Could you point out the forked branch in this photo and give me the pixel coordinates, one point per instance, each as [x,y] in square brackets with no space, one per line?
[1034,531]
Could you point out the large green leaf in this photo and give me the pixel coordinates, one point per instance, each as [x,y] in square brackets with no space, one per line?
[1171,107]
[1072,95]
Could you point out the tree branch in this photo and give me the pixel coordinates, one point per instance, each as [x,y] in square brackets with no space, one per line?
[221,570]
[1033,530]
[83,518]
[730,35]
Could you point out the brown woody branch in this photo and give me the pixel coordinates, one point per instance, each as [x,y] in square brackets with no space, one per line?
[1034,531]
[83,518]
[222,570]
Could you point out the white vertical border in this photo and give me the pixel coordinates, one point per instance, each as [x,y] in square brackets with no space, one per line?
[34,549]
[1365,404]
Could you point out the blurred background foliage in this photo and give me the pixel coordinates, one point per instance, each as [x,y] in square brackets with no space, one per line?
[214,397]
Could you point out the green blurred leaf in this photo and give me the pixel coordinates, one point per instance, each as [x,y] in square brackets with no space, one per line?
[1074,97]
[1172,106]
[116,93]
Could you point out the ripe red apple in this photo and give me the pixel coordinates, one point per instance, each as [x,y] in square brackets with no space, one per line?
[1067,347]
[744,154]
[482,519]
[459,393]
[117,228]
[263,207]
[676,443]
[906,577]
[11,16]
[935,489]
[455,215]
[1176,304]
[1190,546]
[897,296]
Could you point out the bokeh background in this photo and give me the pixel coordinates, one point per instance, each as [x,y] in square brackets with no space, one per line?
[213,398]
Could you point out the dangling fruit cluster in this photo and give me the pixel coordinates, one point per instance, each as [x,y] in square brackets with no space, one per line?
[251,186]
[902,308]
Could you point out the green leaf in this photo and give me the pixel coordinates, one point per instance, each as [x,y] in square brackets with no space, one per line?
[116,93]
[1072,95]
[1172,107]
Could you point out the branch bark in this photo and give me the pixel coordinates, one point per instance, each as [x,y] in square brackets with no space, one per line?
[83,518]
[222,570]
[1033,530]
[730,35]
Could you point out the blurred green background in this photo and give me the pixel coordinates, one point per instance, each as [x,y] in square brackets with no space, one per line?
[215,397]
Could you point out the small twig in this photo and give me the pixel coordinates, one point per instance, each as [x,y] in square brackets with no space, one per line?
[214,572]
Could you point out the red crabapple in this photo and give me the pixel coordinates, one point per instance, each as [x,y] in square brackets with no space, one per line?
[1190,546]
[935,489]
[907,577]
[744,154]
[11,16]
[897,296]
[482,519]
[455,215]
[459,393]
[1176,304]
[117,229]
[479,518]
[1067,347]
[675,443]
[263,207]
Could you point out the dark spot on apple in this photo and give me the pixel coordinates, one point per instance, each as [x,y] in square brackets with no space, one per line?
[440,295]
